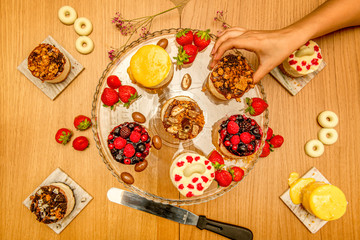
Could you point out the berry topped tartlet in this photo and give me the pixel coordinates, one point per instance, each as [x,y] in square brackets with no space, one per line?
[230,78]
[303,61]
[47,63]
[238,136]
[129,143]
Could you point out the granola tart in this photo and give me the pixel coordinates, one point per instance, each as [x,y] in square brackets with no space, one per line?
[182,117]
[230,78]
[47,63]
[52,203]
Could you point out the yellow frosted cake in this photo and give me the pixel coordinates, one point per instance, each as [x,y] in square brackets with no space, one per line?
[151,67]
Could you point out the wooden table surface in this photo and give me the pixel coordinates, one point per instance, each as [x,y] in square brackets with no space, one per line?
[29,120]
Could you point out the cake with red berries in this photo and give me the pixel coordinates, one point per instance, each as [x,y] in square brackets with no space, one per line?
[230,78]
[182,117]
[129,143]
[303,61]
[191,174]
[52,203]
[238,136]
[48,64]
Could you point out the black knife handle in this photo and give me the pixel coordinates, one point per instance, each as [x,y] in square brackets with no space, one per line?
[225,229]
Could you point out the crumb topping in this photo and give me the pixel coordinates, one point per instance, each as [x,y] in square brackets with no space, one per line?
[46,62]
[232,76]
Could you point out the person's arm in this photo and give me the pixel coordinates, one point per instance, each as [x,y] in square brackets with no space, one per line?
[272,47]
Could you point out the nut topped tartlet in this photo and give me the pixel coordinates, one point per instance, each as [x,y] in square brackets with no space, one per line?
[47,63]
[230,78]
[52,203]
[182,117]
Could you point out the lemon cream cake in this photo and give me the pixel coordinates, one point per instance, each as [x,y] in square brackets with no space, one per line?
[151,67]
[303,61]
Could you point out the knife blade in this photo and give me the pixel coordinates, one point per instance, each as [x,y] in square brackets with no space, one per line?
[177,214]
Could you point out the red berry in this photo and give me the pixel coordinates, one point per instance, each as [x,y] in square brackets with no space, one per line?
[189,159]
[250,147]
[127,161]
[144,137]
[277,141]
[232,118]
[223,178]
[111,146]
[235,147]
[303,63]
[181,186]
[316,48]
[190,186]
[253,122]
[184,37]
[110,137]
[227,143]
[119,143]
[177,177]
[235,140]
[189,194]
[308,67]
[195,179]
[80,143]
[319,56]
[252,137]
[269,134]
[298,68]
[138,154]
[180,164]
[113,82]
[135,137]
[197,158]
[292,62]
[109,97]
[202,39]
[307,43]
[232,127]
[245,137]
[205,179]
[291,56]
[137,128]
[129,150]
[315,61]
[199,187]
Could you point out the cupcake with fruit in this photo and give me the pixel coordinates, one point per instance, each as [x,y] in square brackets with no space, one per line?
[303,61]
[237,136]
[129,143]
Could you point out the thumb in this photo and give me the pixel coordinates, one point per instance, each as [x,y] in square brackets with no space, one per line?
[260,73]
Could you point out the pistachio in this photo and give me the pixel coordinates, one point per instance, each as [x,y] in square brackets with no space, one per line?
[186,82]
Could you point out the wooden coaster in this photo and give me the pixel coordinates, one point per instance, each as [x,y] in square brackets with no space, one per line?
[312,223]
[82,198]
[294,85]
[52,90]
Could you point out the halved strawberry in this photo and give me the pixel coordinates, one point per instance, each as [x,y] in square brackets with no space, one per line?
[186,54]
[202,39]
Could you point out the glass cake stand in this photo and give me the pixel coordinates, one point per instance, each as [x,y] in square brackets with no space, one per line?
[154,182]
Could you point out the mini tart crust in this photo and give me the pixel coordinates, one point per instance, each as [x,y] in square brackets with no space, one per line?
[239,77]
[167,104]
[69,194]
[137,62]
[47,63]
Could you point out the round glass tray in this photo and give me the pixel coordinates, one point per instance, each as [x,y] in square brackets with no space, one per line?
[154,182]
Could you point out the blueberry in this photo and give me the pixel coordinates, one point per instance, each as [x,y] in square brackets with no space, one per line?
[239,117]
[141,147]
[223,125]
[119,157]
[131,125]
[117,131]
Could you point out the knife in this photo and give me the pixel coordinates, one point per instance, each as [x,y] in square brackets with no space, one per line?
[178,214]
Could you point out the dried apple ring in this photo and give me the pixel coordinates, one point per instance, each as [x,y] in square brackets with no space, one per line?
[67,15]
[84,45]
[328,136]
[83,26]
[314,148]
[328,119]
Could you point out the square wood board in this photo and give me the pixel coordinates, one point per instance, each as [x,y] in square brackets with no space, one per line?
[294,85]
[312,223]
[82,198]
[52,90]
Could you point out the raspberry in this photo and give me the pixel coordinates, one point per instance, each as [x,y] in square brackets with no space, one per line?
[137,129]
[135,137]
[199,187]
[291,56]
[177,177]
[125,132]
[245,137]
[180,164]
[299,68]
[205,179]
[316,48]
[190,186]
[319,56]
[181,186]
[292,62]
[195,179]
[308,67]
[189,159]
[307,43]
[189,194]
[315,61]
[129,150]
[235,140]
[232,127]
[303,63]
[119,143]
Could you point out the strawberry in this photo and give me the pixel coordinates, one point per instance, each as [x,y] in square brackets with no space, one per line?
[135,136]
[113,82]
[216,159]
[119,143]
[276,141]
[232,127]
[236,173]
[129,150]
[202,39]
[80,143]
[63,135]
[128,95]
[245,137]
[82,122]
[186,54]
[266,150]
[109,97]
[223,178]
[256,106]
[184,37]
[269,134]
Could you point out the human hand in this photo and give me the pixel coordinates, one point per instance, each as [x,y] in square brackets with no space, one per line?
[271,47]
